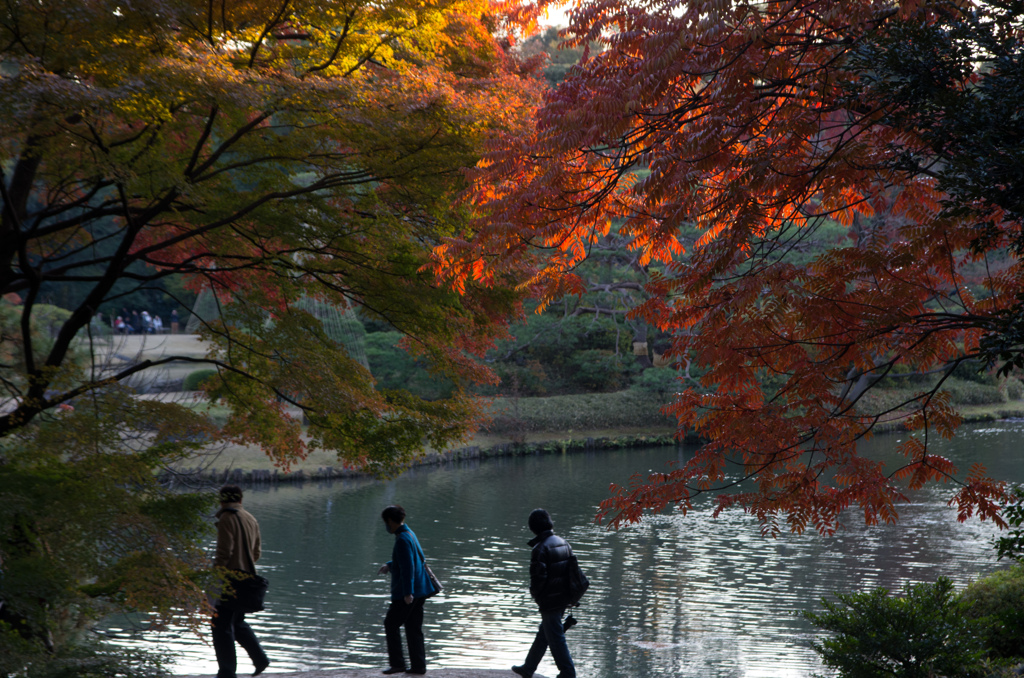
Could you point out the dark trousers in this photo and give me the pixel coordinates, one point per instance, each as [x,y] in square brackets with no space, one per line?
[550,634]
[411,617]
[228,627]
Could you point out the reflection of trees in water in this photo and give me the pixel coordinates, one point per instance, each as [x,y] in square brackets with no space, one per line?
[673,595]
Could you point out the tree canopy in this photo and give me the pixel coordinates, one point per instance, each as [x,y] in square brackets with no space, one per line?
[281,156]
[270,152]
[763,125]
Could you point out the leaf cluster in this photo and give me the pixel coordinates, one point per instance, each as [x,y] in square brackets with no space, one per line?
[1012,544]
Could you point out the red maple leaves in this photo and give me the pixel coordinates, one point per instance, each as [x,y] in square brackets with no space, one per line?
[728,140]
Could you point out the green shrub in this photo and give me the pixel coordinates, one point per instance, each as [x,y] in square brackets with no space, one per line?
[922,634]
[961,393]
[574,354]
[194,380]
[975,371]
[901,377]
[1012,545]
[90,659]
[595,370]
[662,381]
[997,602]
[395,369]
[1014,389]
[67,563]
[592,411]
[528,379]
[973,393]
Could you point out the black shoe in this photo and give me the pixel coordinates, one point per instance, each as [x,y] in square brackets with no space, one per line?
[416,673]
[388,672]
[261,667]
[522,671]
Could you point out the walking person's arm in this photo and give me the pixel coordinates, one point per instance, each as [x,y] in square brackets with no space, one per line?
[257,545]
[538,574]
[225,543]
[404,564]
[407,569]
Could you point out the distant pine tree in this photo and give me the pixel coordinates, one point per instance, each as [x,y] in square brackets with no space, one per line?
[340,324]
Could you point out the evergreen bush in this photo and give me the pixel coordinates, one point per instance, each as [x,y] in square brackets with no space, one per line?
[87,530]
[973,392]
[1012,545]
[923,633]
[997,602]
[662,381]
[194,380]
[394,368]
[975,371]
[600,371]
[1014,389]
[19,658]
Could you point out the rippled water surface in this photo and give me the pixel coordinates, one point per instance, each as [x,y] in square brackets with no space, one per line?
[673,596]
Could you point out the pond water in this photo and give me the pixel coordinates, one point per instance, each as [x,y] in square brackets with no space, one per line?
[673,596]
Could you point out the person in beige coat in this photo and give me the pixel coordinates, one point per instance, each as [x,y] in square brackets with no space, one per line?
[236,530]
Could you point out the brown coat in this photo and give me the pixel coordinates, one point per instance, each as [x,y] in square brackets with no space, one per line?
[230,525]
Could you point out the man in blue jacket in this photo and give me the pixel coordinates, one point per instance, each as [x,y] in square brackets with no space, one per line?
[410,587]
[549,586]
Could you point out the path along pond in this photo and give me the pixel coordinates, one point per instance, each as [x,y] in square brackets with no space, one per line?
[679,596]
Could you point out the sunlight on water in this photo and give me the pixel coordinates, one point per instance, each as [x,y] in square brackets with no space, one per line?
[689,597]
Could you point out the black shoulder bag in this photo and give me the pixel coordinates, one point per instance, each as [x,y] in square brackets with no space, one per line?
[246,592]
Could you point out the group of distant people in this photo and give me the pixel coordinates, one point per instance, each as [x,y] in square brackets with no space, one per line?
[238,543]
[144,323]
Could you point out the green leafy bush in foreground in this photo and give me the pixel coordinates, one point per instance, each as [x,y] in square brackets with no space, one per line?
[997,603]
[86,530]
[1012,545]
[923,633]
[83,660]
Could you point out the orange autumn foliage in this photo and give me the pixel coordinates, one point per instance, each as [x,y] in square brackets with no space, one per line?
[752,124]
[276,153]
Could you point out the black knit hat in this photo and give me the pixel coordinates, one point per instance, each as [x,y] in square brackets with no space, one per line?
[540,521]
[230,494]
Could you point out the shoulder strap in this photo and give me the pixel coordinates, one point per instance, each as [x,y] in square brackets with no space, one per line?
[417,549]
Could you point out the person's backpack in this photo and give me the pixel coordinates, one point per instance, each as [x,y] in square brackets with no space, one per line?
[578,582]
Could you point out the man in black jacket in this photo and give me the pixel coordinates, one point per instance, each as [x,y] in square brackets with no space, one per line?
[549,586]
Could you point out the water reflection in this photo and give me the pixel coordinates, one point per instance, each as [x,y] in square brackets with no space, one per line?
[689,597]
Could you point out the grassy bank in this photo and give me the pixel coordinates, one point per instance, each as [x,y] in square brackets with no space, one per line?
[605,420]
[569,413]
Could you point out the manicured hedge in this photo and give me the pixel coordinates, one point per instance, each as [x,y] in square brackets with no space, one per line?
[194,380]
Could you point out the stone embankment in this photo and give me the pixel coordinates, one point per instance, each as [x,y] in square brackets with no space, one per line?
[375,673]
[265,476]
